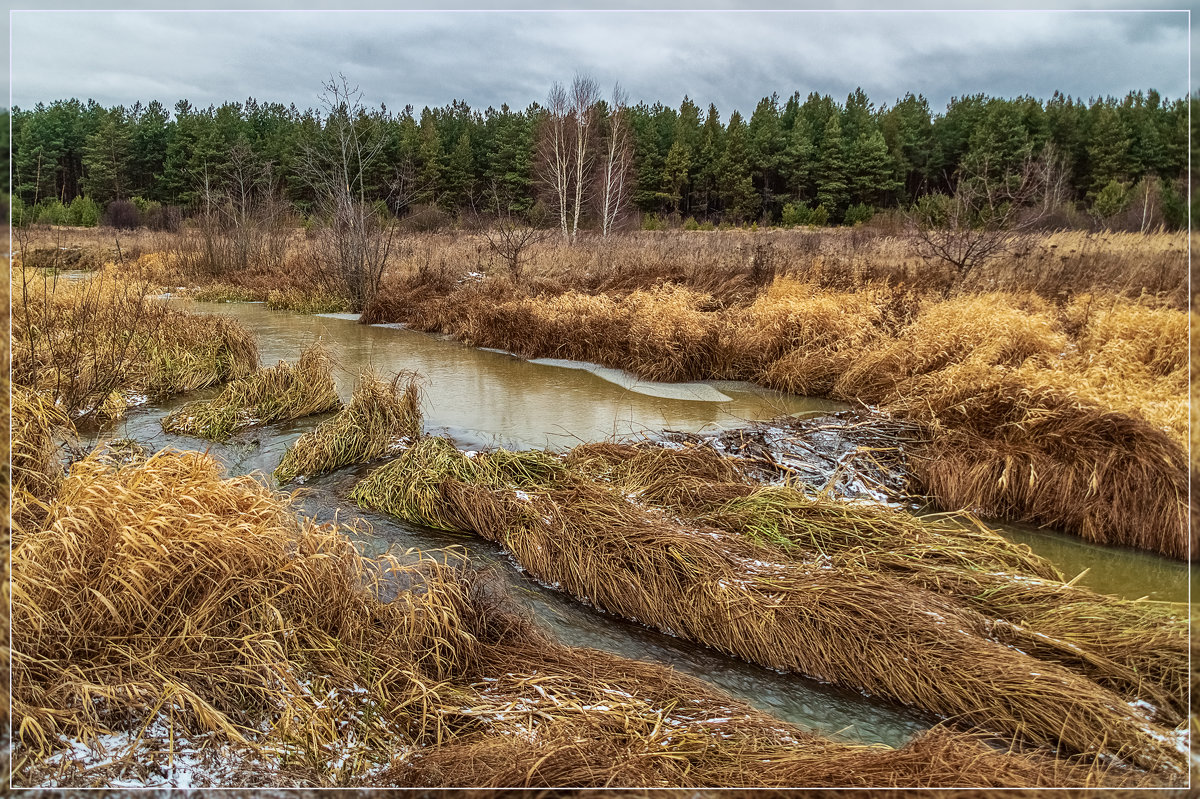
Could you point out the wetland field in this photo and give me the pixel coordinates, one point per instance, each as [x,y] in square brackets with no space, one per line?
[759,509]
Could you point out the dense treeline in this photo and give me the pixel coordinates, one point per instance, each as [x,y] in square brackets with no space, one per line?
[810,160]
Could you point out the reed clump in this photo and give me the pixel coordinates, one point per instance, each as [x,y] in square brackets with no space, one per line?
[381,414]
[210,602]
[799,338]
[845,625]
[1008,451]
[279,393]
[988,329]
[214,610]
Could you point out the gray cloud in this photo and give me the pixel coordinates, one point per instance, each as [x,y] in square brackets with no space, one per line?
[726,57]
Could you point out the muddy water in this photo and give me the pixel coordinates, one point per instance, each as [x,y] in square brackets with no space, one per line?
[486,398]
[1128,573]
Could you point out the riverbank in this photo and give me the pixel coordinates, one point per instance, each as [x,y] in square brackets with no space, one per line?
[1051,387]
[174,524]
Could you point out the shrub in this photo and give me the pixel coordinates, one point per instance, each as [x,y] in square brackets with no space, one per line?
[1111,200]
[652,222]
[796,214]
[84,212]
[51,212]
[859,213]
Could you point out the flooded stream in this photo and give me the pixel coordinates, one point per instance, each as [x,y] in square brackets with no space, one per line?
[485,398]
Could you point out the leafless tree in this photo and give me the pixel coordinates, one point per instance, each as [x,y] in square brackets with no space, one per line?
[991,213]
[617,165]
[243,219]
[354,239]
[567,152]
[511,236]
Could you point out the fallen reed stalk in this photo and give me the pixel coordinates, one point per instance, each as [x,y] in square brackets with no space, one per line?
[279,393]
[380,415]
[849,626]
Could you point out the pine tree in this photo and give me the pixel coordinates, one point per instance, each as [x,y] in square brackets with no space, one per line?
[736,186]
[830,172]
[106,158]
[871,171]
[1108,148]
[429,159]
[460,178]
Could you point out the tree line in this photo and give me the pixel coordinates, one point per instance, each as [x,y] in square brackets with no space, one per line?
[796,160]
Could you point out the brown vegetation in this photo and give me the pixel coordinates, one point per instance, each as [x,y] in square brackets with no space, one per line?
[276,394]
[268,634]
[380,414]
[829,618]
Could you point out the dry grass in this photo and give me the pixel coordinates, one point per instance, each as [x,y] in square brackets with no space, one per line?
[77,341]
[379,415]
[986,329]
[1138,649]
[215,611]
[845,625]
[1005,450]
[1082,334]
[277,394]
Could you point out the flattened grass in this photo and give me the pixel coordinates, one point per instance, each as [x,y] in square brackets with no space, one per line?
[210,606]
[379,415]
[276,394]
[830,620]
[1138,649]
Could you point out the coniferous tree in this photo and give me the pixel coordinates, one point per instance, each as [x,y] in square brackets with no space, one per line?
[106,158]
[830,172]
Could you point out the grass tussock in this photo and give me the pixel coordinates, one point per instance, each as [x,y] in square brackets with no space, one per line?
[279,393]
[840,624]
[36,471]
[307,301]
[380,414]
[1042,455]
[216,612]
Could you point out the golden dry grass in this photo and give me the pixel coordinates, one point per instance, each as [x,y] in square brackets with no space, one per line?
[77,341]
[212,605]
[1137,648]
[835,622]
[276,394]
[380,414]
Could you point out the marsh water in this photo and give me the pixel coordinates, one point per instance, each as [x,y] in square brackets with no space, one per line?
[482,398]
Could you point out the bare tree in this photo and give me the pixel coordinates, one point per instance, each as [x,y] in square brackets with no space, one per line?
[617,165]
[511,236]
[243,219]
[992,212]
[585,94]
[554,161]
[566,151]
[354,239]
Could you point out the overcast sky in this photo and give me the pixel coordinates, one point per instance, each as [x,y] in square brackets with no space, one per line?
[730,58]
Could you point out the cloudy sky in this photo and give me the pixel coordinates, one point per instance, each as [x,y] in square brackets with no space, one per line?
[728,57]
